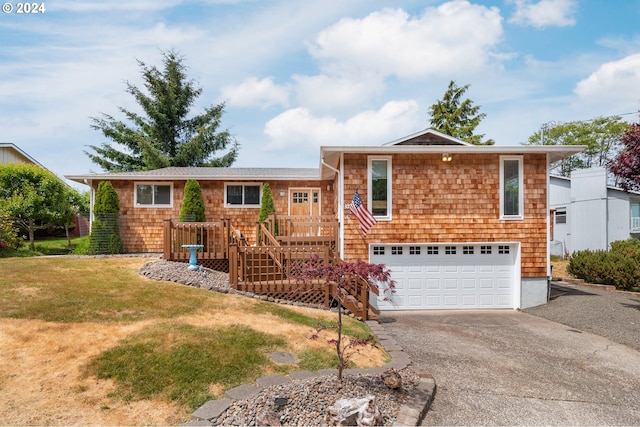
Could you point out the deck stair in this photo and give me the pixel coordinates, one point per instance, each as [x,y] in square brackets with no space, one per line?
[267,267]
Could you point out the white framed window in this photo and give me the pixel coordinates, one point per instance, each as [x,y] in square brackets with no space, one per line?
[379,185]
[511,188]
[561,216]
[242,195]
[153,195]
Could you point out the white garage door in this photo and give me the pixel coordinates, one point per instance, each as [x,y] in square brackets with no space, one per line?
[448,276]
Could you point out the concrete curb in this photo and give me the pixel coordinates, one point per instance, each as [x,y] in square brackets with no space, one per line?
[411,413]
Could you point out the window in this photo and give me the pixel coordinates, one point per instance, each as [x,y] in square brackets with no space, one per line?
[485,250]
[414,250]
[432,250]
[635,217]
[379,181]
[300,197]
[242,195]
[378,250]
[450,250]
[467,250]
[561,216]
[511,187]
[149,195]
[503,249]
[396,250]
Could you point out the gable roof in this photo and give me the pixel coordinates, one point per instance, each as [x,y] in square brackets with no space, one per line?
[428,137]
[17,153]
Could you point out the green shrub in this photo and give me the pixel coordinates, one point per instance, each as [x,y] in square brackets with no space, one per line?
[9,237]
[192,209]
[267,207]
[105,230]
[619,267]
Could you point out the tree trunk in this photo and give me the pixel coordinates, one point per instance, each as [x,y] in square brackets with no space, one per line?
[32,237]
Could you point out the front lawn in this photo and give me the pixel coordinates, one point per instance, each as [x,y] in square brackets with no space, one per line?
[90,341]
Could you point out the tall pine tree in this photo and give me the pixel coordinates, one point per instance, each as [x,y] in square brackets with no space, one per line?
[456,117]
[164,135]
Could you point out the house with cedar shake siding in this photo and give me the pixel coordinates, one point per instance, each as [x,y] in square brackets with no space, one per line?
[460,226]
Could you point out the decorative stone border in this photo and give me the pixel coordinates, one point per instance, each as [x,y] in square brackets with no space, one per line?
[411,413]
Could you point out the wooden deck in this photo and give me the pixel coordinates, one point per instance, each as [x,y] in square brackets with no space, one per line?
[269,267]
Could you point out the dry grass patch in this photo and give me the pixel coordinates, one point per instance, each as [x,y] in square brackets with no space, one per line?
[61,315]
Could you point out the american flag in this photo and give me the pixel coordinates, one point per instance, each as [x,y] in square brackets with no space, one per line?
[361,212]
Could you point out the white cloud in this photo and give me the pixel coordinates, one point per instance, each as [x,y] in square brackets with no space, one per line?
[614,82]
[545,13]
[325,94]
[255,93]
[298,128]
[455,36]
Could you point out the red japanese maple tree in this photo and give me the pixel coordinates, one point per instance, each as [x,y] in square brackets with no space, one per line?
[626,165]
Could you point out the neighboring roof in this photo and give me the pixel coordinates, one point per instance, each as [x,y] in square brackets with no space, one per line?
[205,174]
[609,187]
[27,158]
[428,137]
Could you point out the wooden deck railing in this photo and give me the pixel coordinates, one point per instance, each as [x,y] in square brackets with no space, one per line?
[269,268]
[305,231]
[214,236]
[258,271]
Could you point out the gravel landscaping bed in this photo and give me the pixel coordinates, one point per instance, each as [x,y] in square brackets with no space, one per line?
[308,400]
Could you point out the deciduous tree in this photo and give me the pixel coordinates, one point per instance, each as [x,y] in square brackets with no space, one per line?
[601,136]
[33,197]
[626,165]
[342,275]
[164,135]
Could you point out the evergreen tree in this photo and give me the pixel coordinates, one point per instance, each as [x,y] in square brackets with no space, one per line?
[267,208]
[163,136]
[455,117]
[192,209]
[105,230]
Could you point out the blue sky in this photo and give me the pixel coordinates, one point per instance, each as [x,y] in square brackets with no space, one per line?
[296,75]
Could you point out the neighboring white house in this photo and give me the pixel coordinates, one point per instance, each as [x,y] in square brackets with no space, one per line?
[589,214]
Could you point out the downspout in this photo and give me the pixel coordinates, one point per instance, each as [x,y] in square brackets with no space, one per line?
[340,199]
[92,197]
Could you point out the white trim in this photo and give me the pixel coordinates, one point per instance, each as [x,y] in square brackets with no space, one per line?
[515,260]
[153,184]
[517,276]
[520,215]
[243,184]
[370,160]
[341,205]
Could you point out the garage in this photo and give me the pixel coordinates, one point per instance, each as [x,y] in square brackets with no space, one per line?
[449,275]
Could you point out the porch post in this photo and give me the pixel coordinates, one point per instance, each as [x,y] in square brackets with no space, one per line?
[167,239]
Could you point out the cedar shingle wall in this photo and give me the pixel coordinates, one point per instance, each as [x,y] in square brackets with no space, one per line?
[457,201]
[141,228]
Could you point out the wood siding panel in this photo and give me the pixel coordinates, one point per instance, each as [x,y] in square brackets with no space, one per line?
[142,228]
[457,201]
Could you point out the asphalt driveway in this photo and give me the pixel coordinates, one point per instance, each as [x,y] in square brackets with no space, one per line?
[513,368]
